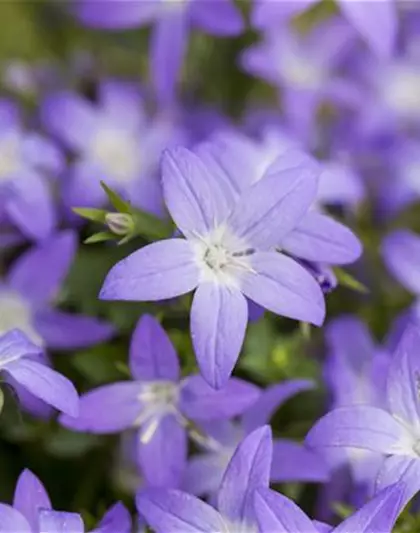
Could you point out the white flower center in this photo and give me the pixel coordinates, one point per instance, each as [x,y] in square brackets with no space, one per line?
[10,156]
[15,313]
[416,447]
[401,89]
[238,527]
[158,399]
[117,152]
[301,71]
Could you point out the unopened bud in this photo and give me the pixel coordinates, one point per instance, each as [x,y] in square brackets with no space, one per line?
[120,223]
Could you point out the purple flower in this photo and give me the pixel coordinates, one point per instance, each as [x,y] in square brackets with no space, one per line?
[18,361]
[113,141]
[377,22]
[227,253]
[394,431]
[173,511]
[28,293]
[291,461]
[172,22]
[277,513]
[159,404]
[25,159]
[31,513]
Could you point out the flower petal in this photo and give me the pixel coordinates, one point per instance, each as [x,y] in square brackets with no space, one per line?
[15,344]
[159,271]
[38,274]
[218,336]
[225,20]
[12,521]
[46,384]
[199,401]
[404,471]
[248,470]
[117,518]
[267,13]
[204,474]
[30,496]
[178,512]
[59,522]
[284,287]
[401,253]
[111,15]
[123,103]
[152,354]
[293,463]
[320,238]
[274,206]
[108,409]
[360,426]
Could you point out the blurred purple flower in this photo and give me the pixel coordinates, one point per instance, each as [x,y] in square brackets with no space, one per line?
[172,22]
[173,511]
[17,361]
[292,462]
[393,431]
[25,160]
[277,513]
[227,254]
[159,404]
[114,141]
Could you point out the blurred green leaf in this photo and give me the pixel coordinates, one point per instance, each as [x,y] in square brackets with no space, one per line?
[96,215]
[100,363]
[119,204]
[102,236]
[67,444]
[347,280]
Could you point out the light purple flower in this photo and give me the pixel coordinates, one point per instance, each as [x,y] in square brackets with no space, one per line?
[394,431]
[172,22]
[159,404]
[25,160]
[113,141]
[292,462]
[376,21]
[173,511]
[276,513]
[227,253]
[18,361]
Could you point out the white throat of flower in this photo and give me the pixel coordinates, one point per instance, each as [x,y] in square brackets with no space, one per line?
[10,156]
[240,527]
[301,71]
[117,152]
[222,257]
[158,399]
[400,89]
[15,313]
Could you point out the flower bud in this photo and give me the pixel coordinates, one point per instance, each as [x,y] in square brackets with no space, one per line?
[120,223]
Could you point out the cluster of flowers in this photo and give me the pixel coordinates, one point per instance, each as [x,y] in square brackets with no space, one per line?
[251,233]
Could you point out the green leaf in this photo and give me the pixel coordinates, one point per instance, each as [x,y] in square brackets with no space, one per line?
[151,226]
[67,444]
[347,280]
[96,215]
[102,236]
[120,205]
[100,364]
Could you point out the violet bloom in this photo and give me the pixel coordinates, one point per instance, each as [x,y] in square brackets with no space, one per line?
[376,21]
[292,462]
[227,253]
[28,292]
[114,141]
[173,511]
[18,360]
[31,513]
[25,160]
[172,22]
[276,513]
[159,404]
[394,431]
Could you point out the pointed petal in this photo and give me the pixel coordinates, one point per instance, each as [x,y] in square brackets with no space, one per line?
[59,522]
[163,458]
[47,384]
[293,463]
[274,206]
[65,331]
[401,253]
[225,20]
[15,344]
[117,518]
[404,378]
[358,427]
[39,273]
[168,47]
[152,354]
[111,15]
[200,401]
[320,238]
[277,513]
[218,336]
[248,470]
[108,409]
[270,400]
[12,521]
[194,196]
[159,271]
[30,496]
[340,185]
[380,514]
[376,21]
[405,471]
[178,512]
[284,287]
